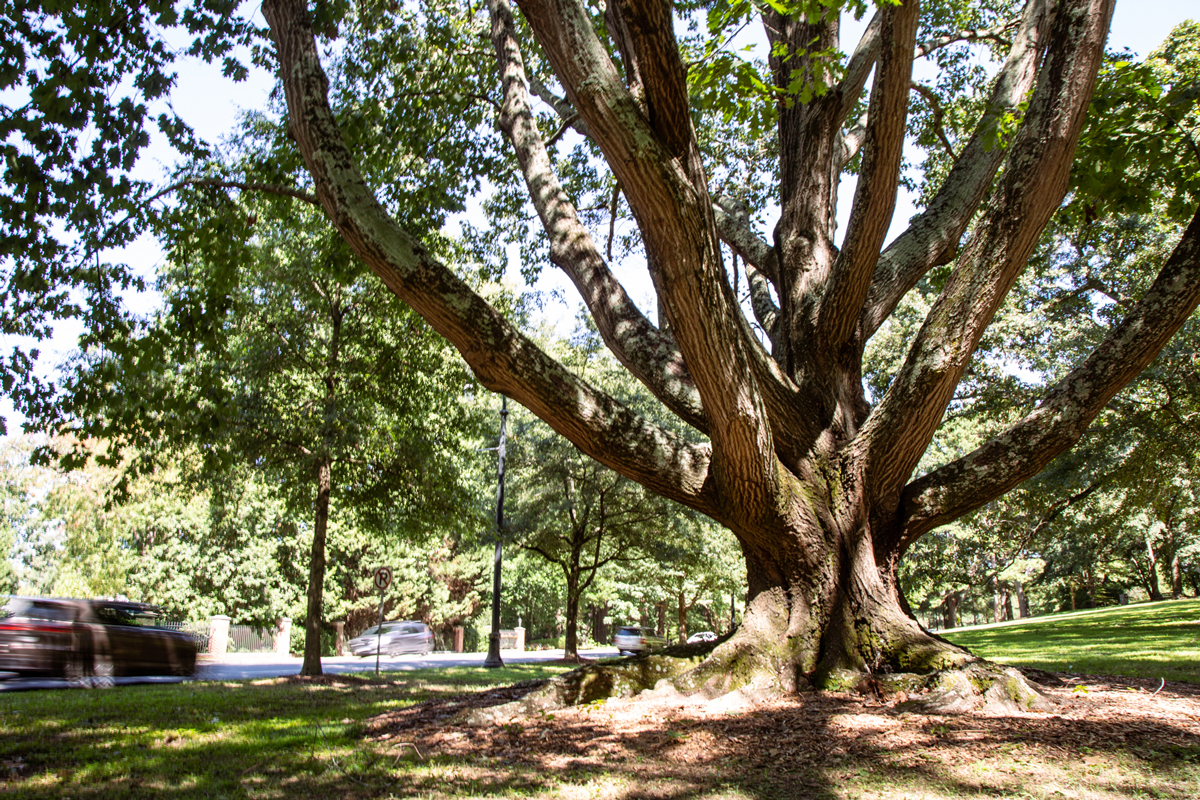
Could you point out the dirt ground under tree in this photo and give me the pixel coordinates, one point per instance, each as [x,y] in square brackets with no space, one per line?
[1106,738]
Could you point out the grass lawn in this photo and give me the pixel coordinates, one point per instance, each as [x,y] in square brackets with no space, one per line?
[1149,640]
[356,738]
[208,740]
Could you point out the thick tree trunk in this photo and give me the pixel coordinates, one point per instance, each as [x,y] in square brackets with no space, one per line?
[600,629]
[316,575]
[950,609]
[824,609]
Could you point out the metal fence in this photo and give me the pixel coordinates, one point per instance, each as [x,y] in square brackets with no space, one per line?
[246,639]
[242,638]
[197,630]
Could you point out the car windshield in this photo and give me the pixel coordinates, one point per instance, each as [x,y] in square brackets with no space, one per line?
[124,615]
[629,632]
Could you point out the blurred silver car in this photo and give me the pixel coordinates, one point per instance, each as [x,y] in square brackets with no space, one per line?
[393,639]
[634,639]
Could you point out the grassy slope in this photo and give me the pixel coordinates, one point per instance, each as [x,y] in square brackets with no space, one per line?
[1151,640]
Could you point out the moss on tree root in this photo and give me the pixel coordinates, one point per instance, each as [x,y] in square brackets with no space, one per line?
[976,687]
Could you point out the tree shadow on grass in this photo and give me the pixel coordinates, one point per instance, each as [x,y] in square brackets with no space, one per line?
[810,746]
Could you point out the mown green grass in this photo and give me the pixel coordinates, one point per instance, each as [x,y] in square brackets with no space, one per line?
[1150,640]
[281,739]
[207,740]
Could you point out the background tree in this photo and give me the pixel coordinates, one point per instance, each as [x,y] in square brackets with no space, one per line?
[577,515]
[274,353]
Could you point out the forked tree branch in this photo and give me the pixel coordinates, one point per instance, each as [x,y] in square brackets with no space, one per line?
[650,30]
[879,177]
[995,34]
[939,116]
[1067,408]
[647,352]
[1030,190]
[933,236]
[501,356]
[668,196]
[859,68]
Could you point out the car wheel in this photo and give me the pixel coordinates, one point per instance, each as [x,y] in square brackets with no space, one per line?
[74,670]
[103,671]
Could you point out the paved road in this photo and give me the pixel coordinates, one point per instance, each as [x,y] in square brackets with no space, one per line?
[264,665]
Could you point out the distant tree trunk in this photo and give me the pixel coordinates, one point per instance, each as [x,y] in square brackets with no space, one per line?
[1176,578]
[1022,600]
[316,574]
[681,616]
[571,641]
[999,594]
[1152,571]
[661,627]
[600,630]
[950,609]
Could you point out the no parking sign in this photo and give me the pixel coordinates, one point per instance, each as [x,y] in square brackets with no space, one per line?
[383,578]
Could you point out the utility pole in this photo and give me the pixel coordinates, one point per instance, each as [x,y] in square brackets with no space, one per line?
[493,657]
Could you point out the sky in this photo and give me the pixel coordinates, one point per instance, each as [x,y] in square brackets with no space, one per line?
[212,104]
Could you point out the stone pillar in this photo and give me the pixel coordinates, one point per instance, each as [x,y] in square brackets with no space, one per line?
[519,644]
[283,636]
[460,634]
[218,635]
[339,646]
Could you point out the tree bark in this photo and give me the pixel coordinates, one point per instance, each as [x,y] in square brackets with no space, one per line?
[316,574]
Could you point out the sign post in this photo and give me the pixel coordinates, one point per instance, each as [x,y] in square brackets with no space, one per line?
[383,579]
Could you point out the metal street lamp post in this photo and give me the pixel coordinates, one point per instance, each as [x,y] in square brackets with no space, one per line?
[493,656]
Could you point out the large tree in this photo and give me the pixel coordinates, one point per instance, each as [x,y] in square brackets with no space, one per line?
[816,482]
[817,479]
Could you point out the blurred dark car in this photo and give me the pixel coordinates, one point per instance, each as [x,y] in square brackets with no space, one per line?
[78,639]
[396,638]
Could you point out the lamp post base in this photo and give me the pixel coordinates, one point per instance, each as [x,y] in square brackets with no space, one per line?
[493,657]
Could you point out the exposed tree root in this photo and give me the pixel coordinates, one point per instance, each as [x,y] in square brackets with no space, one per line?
[734,677]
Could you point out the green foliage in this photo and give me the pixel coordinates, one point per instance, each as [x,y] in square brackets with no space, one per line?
[84,89]
[1141,152]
